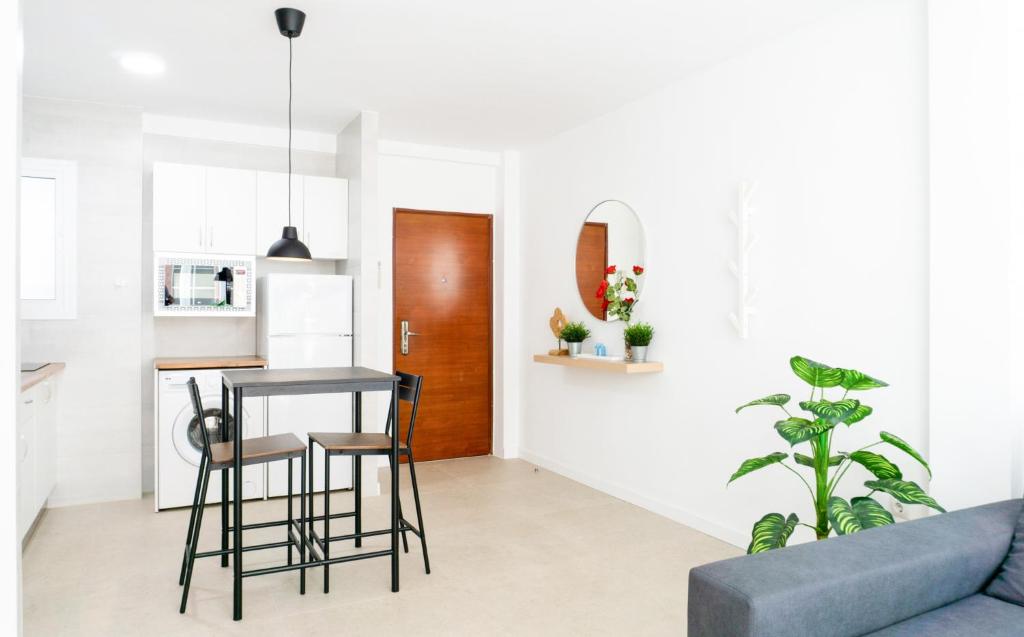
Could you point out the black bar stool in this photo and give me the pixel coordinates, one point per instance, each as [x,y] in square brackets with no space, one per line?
[370,444]
[219,456]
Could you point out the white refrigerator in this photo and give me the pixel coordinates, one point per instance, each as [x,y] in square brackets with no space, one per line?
[305,320]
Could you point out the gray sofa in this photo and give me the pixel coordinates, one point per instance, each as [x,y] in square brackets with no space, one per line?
[925,577]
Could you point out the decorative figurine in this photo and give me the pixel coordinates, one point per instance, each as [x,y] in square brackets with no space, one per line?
[557,322]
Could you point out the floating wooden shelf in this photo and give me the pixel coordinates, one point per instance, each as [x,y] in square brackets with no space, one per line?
[614,365]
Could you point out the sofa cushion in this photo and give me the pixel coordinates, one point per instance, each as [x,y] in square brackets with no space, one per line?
[970,617]
[1009,582]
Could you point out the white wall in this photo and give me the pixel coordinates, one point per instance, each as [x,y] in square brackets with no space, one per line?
[357,160]
[973,281]
[98,436]
[831,121]
[456,180]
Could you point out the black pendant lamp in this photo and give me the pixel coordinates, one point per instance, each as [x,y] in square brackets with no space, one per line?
[288,247]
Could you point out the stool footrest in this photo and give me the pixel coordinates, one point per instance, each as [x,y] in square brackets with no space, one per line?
[403,526]
[334,560]
[267,525]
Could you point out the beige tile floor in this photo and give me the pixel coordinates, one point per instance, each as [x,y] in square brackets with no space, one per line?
[515,550]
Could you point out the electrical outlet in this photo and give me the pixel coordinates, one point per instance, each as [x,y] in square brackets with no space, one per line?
[897,509]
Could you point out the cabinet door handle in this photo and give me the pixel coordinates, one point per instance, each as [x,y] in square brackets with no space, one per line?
[201,244]
[209,231]
[29,401]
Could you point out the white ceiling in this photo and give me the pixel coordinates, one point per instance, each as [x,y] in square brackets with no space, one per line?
[475,73]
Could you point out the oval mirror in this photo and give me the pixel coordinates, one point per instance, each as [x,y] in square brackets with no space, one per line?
[611,236]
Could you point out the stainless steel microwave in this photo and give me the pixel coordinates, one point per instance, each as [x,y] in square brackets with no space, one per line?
[204,285]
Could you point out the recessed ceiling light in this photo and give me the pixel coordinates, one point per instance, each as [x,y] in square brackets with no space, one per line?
[142,63]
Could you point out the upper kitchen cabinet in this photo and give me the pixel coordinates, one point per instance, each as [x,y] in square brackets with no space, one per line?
[230,211]
[325,217]
[179,208]
[203,209]
[319,212]
[272,207]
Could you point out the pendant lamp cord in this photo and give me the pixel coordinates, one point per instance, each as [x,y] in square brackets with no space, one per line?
[289,131]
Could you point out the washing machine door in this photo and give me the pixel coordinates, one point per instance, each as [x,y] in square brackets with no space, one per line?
[187,435]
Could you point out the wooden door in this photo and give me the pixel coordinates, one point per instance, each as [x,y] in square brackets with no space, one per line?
[591,262]
[442,287]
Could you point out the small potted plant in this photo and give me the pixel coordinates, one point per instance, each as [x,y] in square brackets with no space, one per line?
[638,337]
[574,334]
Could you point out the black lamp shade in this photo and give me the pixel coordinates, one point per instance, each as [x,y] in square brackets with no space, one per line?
[288,247]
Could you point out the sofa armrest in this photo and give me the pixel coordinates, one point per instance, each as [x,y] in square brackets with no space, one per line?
[854,584]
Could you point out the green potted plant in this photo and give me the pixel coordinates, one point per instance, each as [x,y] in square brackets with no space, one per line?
[638,337]
[828,466]
[574,334]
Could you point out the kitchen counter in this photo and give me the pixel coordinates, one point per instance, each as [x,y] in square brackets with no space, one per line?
[31,379]
[209,362]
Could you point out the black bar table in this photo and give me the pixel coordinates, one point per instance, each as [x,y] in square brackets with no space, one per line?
[251,383]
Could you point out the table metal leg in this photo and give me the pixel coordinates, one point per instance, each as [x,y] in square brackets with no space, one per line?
[302,525]
[288,527]
[327,519]
[224,434]
[357,462]
[394,489]
[237,548]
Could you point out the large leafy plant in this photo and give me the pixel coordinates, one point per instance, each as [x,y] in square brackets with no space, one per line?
[831,513]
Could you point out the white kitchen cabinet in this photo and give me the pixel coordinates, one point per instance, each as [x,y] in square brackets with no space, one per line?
[26,461]
[325,217]
[36,451]
[45,436]
[200,209]
[230,211]
[179,208]
[208,210]
[272,207]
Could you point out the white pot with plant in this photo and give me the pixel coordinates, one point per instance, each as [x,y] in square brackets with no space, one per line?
[574,334]
[638,337]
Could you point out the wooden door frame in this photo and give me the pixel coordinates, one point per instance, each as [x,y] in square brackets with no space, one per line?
[490,294]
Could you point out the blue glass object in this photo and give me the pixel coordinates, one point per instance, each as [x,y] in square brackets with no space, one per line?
[600,350]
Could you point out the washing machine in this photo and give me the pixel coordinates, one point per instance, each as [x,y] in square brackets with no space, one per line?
[179,439]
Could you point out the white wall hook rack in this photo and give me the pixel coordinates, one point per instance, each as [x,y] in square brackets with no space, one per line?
[740,267]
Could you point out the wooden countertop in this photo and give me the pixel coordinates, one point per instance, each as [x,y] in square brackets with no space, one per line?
[209,362]
[31,379]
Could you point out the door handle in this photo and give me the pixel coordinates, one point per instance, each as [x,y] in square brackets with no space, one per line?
[405,337]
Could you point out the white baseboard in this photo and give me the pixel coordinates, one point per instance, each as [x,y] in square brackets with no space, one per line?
[58,502]
[732,536]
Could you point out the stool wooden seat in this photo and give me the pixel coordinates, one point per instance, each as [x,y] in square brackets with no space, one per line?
[257,450]
[353,443]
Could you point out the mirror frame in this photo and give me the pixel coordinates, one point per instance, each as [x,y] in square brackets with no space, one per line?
[643,249]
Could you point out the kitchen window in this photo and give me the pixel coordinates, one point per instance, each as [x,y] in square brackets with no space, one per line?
[47,238]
